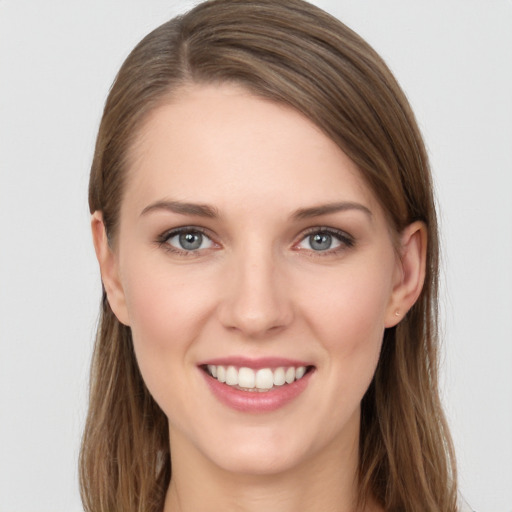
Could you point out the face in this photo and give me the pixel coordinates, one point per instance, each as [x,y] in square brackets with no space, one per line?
[251,251]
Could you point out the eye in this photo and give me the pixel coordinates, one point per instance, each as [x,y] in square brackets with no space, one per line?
[186,240]
[325,240]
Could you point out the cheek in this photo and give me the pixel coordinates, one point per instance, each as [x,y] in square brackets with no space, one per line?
[166,312]
[151,304]
[355,306]
[349,320]
[163,303]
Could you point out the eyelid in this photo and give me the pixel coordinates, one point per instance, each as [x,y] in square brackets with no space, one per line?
[162,240]
[346,240]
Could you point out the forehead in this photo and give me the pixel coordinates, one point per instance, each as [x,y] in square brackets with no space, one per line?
[223,144]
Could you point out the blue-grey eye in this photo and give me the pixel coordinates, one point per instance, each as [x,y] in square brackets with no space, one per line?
[189,241]
[323,241]
[320,241]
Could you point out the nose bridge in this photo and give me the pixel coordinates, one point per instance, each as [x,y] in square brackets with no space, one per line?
[256,301]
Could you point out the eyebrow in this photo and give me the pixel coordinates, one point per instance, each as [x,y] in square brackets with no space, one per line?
[325,209]
[204,210]
[199,210]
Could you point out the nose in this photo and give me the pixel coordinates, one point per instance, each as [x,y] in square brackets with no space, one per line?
[256,300]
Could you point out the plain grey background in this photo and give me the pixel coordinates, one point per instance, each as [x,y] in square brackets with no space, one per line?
[57,61]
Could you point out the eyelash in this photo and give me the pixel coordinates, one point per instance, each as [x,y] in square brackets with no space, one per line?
[163,240]
[346,241]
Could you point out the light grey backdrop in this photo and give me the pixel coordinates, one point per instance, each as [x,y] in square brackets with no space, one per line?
[57,60]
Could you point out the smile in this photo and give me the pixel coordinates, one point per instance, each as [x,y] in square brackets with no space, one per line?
[259,385]
[260,380]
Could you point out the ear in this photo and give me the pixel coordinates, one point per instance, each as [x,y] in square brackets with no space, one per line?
[109,268]
[410,272]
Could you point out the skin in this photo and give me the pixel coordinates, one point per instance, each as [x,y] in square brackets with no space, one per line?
[255,288]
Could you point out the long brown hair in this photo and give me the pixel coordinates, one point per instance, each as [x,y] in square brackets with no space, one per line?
[291,52]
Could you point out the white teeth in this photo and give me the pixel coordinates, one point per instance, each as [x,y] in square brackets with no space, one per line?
[232,376]
[221,374]
[261,380]
[264,378]
[290,375]
[246,378]
[299,372]
[279,378]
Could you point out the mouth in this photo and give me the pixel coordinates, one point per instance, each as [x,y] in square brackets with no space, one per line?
[261,380]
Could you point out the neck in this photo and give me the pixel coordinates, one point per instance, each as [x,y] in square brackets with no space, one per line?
[328,483]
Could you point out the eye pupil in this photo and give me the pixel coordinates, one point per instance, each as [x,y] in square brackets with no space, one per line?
[191,241]
[320,241]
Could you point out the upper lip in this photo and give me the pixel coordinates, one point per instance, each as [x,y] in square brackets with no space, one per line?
[255,363]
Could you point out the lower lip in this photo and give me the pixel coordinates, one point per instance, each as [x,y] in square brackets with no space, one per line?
[255,401]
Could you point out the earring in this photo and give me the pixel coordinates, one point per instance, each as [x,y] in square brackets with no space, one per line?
[397,312]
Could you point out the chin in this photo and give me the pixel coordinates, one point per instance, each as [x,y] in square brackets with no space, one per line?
[259,459]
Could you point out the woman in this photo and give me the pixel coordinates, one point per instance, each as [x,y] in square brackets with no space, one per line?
[265,226]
